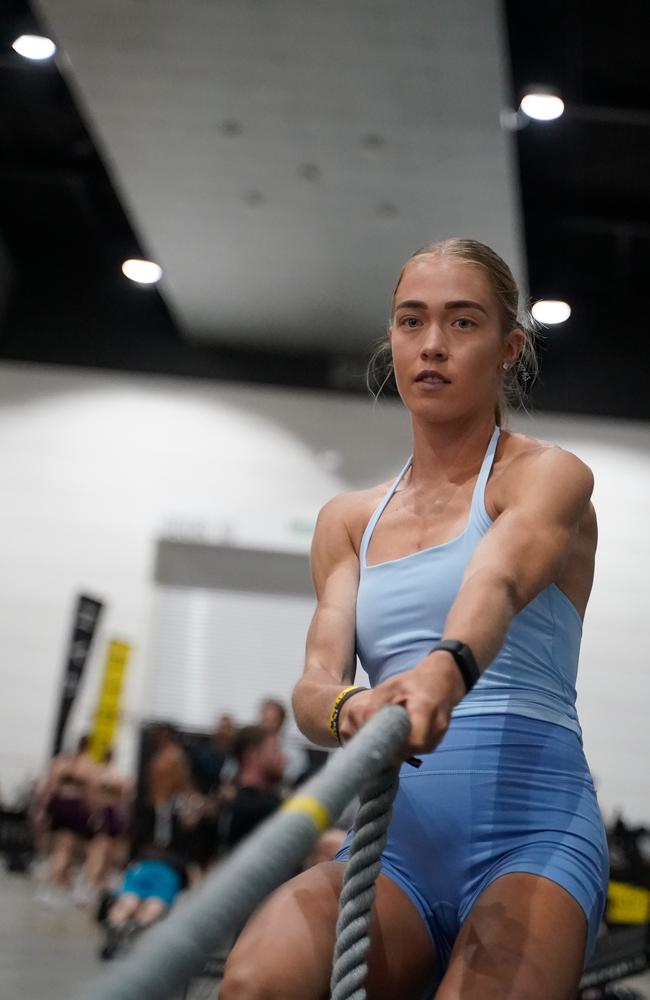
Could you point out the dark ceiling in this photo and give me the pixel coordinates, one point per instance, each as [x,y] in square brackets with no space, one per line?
[585,188]
[585,182]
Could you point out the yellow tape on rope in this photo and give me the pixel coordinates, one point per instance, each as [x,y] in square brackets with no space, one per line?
[309,806]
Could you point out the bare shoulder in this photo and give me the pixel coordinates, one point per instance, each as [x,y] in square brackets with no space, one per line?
[346,515]
[524,464]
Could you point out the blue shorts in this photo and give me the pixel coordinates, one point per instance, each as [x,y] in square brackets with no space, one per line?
[501,793]
[152,880]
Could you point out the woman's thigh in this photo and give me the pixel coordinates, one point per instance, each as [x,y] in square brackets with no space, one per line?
[524,939]
[286,949]
[65,842]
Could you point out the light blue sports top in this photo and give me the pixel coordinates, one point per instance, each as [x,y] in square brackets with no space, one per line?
[402,605]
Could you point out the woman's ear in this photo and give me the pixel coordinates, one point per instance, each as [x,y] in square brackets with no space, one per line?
[514,345]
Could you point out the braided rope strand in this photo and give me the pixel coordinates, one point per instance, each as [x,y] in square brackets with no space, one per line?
[360,885]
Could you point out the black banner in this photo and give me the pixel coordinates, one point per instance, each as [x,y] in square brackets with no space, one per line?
[83,628]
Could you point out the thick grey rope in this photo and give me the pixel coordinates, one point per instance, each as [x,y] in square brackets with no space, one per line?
[178,948]
[359,886]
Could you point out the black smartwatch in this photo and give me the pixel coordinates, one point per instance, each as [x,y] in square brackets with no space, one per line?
[464,658]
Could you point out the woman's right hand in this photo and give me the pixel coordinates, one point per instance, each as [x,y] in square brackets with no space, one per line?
[429,692]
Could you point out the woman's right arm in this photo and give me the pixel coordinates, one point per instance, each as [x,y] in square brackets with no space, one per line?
[330,656]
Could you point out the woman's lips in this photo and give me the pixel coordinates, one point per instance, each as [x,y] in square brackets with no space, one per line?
[432,380]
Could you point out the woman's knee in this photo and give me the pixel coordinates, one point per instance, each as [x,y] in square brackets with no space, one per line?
[251,977]
[286,949]
[242,981]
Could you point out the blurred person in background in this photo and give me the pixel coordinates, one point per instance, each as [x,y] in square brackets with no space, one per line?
[173,796]
[157,872]
[149,889]
[211,760]
[63,798]
[224,733]
[214,769]
[261,767]
[272,717]
[223,737]
[109,800]
[167,775]
[167,846]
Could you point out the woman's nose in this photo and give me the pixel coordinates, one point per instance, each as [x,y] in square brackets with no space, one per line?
[434,344]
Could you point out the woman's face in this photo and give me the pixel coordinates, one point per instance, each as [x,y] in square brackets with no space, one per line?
[447,323]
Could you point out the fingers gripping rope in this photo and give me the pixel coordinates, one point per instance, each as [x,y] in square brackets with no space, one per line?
[359,886]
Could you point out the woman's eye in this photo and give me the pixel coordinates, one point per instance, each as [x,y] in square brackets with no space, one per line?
[410,322]
[464,322]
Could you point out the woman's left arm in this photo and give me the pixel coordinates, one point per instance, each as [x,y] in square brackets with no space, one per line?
[544,497]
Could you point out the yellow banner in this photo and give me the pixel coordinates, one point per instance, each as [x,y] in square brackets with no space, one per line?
[110,697]
[627,904]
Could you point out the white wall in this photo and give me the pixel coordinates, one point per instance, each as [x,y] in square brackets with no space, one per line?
[219,651]
[97,466]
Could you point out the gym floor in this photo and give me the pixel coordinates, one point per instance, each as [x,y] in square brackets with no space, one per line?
[46,955]
[52,955]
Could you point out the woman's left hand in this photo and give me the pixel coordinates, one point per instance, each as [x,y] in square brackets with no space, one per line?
[428,691]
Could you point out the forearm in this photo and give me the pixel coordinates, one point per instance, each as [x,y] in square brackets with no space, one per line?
[481,615]
[312,701]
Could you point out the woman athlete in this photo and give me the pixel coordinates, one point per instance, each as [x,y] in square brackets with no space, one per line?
[494,875]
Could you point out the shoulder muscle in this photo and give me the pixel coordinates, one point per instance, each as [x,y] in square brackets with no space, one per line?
[332,545]
[547,478]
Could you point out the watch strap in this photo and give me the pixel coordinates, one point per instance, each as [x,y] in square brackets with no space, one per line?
[464,659]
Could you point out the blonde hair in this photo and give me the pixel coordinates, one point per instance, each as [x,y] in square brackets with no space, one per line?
[520,376]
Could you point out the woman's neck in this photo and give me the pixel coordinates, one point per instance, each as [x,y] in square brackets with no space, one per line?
[444,453]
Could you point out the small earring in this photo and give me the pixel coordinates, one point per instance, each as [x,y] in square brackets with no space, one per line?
[505,366]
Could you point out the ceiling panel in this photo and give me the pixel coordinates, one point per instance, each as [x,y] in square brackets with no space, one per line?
[281,158]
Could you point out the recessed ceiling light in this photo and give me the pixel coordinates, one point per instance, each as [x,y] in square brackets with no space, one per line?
[551,311]
[145,272]
[543,107]
[34,47]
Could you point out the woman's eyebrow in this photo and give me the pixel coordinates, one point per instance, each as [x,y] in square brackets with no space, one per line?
[465,304]
[457,304]
[410,304]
